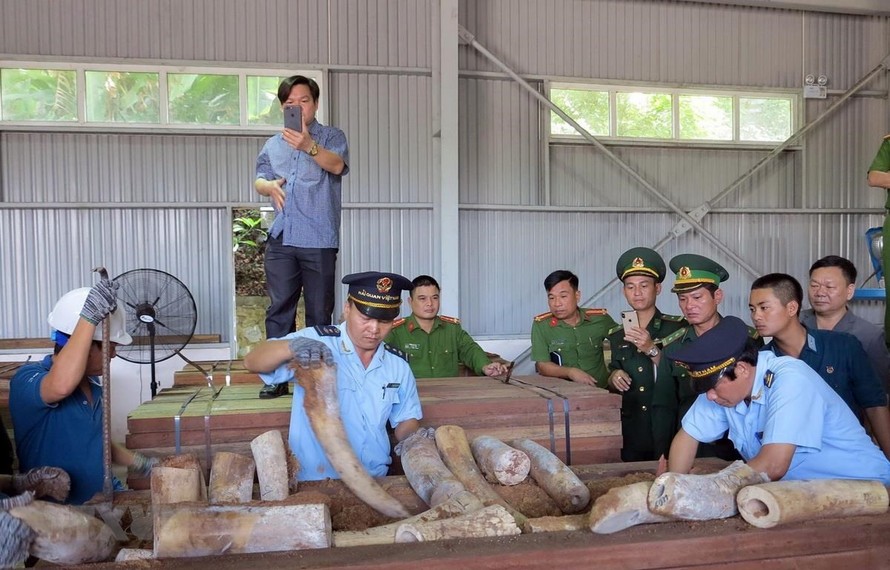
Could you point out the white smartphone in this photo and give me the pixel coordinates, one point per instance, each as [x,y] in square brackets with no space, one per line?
[629,319]
[293,118]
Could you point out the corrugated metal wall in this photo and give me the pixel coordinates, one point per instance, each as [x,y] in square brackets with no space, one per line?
[526,209]
[677,44]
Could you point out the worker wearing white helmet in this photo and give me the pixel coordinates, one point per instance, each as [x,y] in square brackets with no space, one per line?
[56,404]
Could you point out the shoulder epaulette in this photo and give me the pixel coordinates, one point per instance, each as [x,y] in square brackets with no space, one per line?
[672,318]
[327,330]
[752,333]
[769,378]
[615,329]
[452,320]
[396,351]
[595,312]
[398,322]
[679,333]
[543,316]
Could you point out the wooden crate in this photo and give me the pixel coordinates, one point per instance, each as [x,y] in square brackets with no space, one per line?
[540,408]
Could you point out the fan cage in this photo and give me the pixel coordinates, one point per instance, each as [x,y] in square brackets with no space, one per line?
[154,298]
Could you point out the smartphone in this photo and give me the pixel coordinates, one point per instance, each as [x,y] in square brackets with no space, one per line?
[293,118]
[629,319]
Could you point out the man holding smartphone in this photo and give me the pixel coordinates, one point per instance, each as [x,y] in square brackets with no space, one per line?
[636,354]
[300,171]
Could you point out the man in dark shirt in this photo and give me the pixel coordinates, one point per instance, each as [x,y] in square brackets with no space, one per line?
[838,357]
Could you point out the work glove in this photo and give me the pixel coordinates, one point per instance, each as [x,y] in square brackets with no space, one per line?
[100,302]
[418,436]
[310,353]
[15,535]
[142,465]
[50,482]
[702,497]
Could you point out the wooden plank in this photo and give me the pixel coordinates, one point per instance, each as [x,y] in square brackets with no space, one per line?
[482,406]
[41,343]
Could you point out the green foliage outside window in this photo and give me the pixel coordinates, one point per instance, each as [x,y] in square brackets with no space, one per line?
[38,95]
[589,108]
[203,99]
[644,115]
[699,116]
[263,107]
[122,97]
[705,117]
[764,119]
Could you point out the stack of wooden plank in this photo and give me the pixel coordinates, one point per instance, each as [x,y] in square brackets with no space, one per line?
[579,423]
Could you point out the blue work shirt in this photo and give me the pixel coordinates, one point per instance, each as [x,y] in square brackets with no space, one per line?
[66,434]
[842,362]
[368,397]
[311,216]
[870,335]
[796,408]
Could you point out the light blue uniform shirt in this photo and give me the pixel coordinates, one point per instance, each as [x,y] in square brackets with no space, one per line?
[368,397]
[311,216]
[800,409]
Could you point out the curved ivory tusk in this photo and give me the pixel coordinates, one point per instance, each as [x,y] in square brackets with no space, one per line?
[323,410]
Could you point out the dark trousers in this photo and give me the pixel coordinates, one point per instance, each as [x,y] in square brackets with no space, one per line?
[290,270]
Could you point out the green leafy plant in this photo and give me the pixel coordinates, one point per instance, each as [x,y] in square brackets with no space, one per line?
[248,231]
[249,248]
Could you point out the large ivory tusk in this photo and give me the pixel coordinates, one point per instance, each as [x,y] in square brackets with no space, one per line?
[499,462]
[555,477]
[65,535]
[782,502]
[455,450]
[270,458]
[494,520]
[231,478]
[623,507]
[424,469]
[323,410]
[461,503]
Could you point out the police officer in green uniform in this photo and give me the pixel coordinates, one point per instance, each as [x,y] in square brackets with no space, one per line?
[436,344]
[567,341]
[879,177]
[636,353]
[697,285]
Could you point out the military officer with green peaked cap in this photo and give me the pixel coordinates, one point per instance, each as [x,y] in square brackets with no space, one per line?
[694,271]
[636,353]
[697,285]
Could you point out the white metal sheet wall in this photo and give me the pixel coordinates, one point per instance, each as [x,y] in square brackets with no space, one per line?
[48,252]
[387,112]
[122,168]
[638,40]
[388,123]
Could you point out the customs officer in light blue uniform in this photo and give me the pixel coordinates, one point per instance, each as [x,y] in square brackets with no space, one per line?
[374,382]
[782,417]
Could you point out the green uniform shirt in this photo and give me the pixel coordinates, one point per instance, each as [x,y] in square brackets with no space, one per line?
[579,346]
[673,391]
[644,439]
[437,354]
[881,163]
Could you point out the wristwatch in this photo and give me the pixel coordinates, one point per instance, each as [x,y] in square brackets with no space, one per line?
[653,352]
[313,150]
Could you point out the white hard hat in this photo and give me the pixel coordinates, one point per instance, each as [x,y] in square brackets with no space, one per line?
[66,313]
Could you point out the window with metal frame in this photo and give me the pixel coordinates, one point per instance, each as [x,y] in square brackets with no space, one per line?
[65,95]
[688,115]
